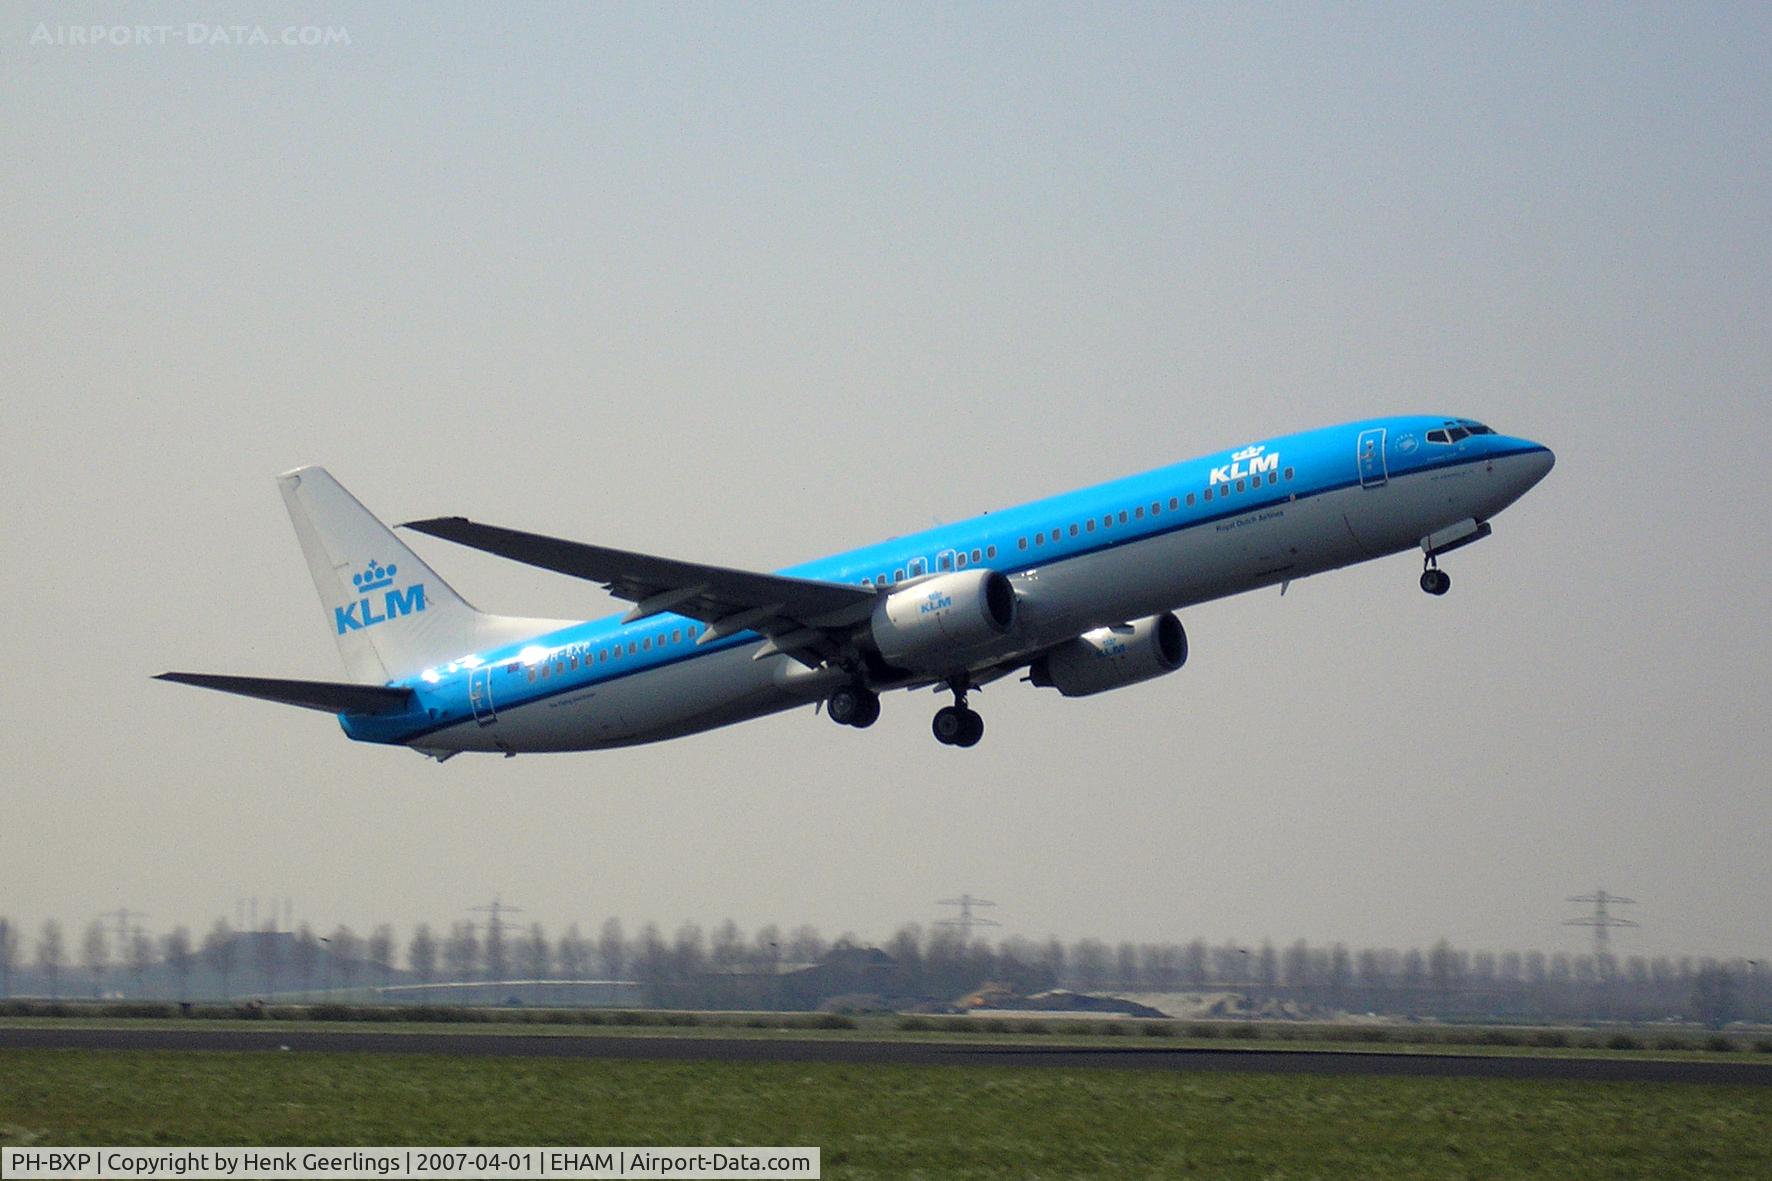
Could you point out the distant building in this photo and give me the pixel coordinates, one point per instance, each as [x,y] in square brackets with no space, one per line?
[844,972]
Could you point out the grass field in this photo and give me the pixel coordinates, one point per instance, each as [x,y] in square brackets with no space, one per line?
[891,1121]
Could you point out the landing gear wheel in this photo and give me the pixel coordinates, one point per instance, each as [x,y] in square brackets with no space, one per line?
[1436,581]
[869,712]
[949,725]
[853,705]
[957,726]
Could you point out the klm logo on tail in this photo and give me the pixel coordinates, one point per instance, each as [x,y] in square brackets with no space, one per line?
[394,602]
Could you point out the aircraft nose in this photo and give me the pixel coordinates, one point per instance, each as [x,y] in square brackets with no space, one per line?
[1536,463]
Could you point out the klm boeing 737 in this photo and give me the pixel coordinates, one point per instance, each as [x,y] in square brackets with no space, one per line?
[1079,590]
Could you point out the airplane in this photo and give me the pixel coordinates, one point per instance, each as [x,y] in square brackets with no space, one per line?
[1079,591]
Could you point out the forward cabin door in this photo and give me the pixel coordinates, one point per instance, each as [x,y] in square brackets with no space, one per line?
[1371,454]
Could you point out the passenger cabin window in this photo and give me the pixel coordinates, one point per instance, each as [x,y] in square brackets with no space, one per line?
[976,557]
[1089,524]
[1021,543]
[1122,516]
[919,567]
[1073,530]
[992,552]
[1174,503]
[1190,500]
[1208,494]
[1288,473]
[947,561]
[960,559]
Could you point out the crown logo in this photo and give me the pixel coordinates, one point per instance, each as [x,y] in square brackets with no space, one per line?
[374,576]
[1249,452]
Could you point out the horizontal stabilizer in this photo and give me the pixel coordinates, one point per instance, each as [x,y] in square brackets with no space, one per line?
[333,697]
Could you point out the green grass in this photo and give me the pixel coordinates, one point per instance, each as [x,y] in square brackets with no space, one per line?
[892,1121]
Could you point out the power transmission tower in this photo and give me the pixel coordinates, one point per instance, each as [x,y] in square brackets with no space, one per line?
[121,917]
[966,920]
[496,926]
[1599,920]
[493,949]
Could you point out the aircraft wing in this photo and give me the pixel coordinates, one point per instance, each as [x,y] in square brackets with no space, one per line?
[797,614]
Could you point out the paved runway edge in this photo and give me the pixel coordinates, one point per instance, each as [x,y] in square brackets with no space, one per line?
[904,1053]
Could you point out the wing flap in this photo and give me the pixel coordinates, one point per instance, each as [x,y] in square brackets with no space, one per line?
[333,697]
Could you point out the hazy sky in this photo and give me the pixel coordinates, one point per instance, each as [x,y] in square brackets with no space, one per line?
[748,284]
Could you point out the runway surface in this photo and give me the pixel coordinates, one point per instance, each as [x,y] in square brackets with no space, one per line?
[906,1053]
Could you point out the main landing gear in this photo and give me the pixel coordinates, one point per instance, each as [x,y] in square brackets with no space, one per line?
[1434,580]
[855,705]
[954,725]
[957,725]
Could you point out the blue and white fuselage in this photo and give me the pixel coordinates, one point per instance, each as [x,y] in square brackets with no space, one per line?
[1077,588]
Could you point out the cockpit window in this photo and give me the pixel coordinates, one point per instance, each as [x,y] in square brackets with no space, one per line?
[1457,433]
[1437,437]
[1477,428]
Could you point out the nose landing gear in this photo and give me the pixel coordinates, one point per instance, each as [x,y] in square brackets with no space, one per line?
[956,724]
[1434,580]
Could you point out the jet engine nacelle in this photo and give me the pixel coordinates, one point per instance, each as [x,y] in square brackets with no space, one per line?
[1113,657]
[927,625]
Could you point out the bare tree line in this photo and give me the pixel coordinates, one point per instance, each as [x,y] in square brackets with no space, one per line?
[696,967]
